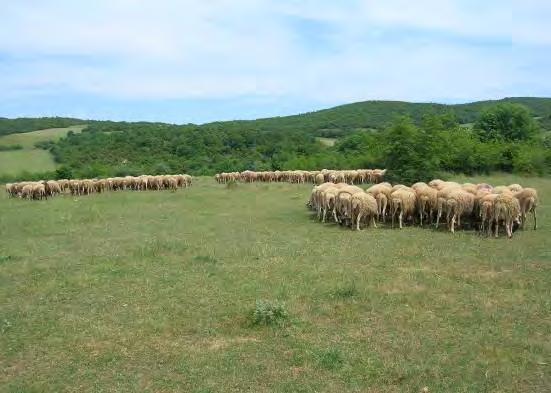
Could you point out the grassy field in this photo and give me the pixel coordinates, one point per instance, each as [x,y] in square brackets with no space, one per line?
[30,159]
[28,139]
[15,162]
[153,292]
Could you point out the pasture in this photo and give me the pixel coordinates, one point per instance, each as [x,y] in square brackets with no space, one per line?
[30,159]
[154,291]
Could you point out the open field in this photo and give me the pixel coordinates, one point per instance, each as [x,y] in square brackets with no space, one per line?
[30,158]
[28,139]
[34,160]
[152,291]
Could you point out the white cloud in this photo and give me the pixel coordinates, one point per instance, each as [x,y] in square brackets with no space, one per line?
[131,49]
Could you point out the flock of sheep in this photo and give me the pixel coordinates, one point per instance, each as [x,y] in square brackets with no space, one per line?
[356,176]
[335,197]
[480,206]
[48,188]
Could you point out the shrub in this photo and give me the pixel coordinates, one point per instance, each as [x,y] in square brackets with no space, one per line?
[269,313]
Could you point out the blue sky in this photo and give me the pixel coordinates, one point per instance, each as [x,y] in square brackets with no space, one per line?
[197,61]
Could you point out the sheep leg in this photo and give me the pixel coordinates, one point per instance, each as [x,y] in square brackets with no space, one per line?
[400,217]
[452,224]
[358,218]
[497,227]
[535,219]
[373,221]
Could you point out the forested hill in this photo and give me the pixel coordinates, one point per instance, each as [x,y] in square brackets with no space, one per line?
[512,135]
[28,124]
[377,114]
[335,121]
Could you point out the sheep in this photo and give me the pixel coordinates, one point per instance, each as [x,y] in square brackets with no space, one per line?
[515,187]
[53,187]
[381,193]
[426,201]
[363,205]
[27,191]
[38,191]
[528,199]
[441,197]
[11,190]
[319,179]
[459,202]
[506,208]
[403,200]
[486,211]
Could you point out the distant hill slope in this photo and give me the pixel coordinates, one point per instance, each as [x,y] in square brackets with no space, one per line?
[28,124]
[376,114]
[330,122]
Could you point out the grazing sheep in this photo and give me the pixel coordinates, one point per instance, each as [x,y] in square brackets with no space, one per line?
[528,199]
[459,203]
[441,197]
[515,187]
[381,193]
[486,211]
[426,202]
[11,190]
[363,205]
[403,200]
[506,208]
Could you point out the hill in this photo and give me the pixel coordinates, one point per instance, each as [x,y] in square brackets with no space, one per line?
[365,114]
[19,153]
[28,124]
[342,119]
[357,133]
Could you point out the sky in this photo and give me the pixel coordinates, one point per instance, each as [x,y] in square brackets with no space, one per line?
[185,61]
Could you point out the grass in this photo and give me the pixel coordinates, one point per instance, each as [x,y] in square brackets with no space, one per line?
[153,292]
[30,159]
[14,162]
[28,139]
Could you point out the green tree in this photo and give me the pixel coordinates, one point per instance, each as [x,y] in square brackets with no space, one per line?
[506,122]
[411,153]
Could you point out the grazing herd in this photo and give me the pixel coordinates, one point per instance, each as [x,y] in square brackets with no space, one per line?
[43,189]
[356,176]
[478,206]
[335,197]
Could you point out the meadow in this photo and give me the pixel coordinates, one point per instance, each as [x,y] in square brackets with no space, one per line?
[154,292]
[30,158]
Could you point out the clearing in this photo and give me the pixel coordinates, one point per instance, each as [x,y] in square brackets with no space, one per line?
[152,291]
[30,159]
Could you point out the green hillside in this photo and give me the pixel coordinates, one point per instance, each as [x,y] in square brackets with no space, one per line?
[20,155]
[377,114]
[28,124]
[438,138]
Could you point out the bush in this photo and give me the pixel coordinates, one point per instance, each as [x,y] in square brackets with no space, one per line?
[269,313]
